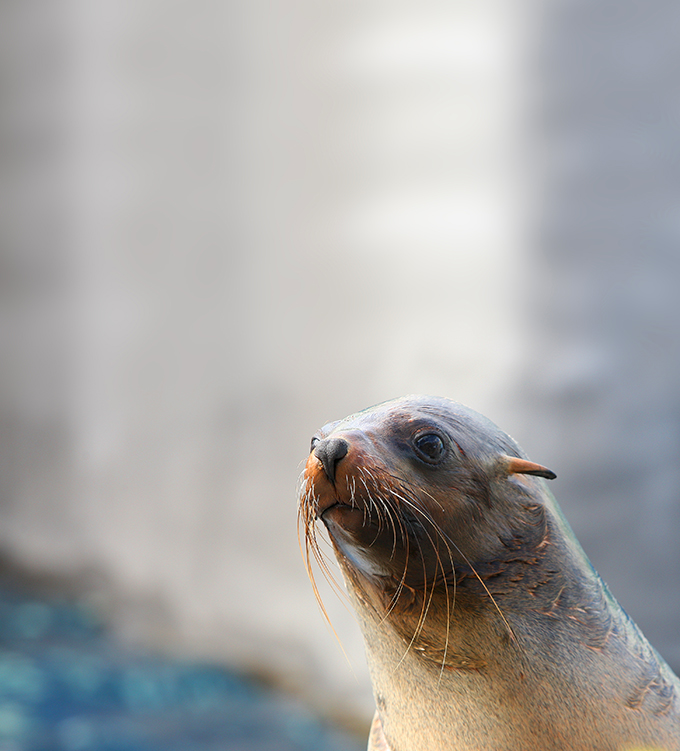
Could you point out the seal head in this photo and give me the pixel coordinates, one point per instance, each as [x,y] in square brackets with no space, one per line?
[485,625]
[405,490]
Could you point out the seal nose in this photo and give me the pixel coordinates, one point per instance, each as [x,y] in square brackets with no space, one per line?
[329,453]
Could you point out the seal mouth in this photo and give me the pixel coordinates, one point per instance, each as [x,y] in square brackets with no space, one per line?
[338,506]
[341,520]
[377,518]
[320,513]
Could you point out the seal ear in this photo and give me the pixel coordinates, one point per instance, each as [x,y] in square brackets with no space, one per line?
[517,466]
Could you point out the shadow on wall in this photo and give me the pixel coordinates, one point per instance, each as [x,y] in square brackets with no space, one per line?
[226,225]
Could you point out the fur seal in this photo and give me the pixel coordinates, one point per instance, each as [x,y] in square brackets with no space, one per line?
[486,626]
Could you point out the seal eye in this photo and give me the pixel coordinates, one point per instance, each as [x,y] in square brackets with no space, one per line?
[315,440]
[429,447]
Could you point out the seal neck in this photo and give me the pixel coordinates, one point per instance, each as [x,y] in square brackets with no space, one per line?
[539,579]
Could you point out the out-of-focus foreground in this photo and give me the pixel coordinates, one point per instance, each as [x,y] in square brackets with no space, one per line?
[224,224]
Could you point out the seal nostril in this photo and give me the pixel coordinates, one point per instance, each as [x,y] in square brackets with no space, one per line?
[329,453]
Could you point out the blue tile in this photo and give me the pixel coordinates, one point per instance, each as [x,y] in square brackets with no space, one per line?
[67,685]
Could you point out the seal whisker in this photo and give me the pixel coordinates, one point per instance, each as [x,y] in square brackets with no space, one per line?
[311,550]
[371,501]
[486,589]
[399,589]
[447,539]
[450,605]
[403,481]
[390,516]
[450,602]
[427,601]
[413,505]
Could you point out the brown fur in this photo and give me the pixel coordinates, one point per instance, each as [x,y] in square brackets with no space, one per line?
[485,625]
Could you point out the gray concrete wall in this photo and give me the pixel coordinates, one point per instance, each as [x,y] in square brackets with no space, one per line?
[600,391]
[227,223]
[230,223]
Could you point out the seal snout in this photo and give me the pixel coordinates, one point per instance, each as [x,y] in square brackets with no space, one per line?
[329,452]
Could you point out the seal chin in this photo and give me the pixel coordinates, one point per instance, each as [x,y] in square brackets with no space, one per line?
[339,520]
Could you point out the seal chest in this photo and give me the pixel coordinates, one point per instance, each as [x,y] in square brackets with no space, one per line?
[485,625]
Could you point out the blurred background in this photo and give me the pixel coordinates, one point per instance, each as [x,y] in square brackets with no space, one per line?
[224,224]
